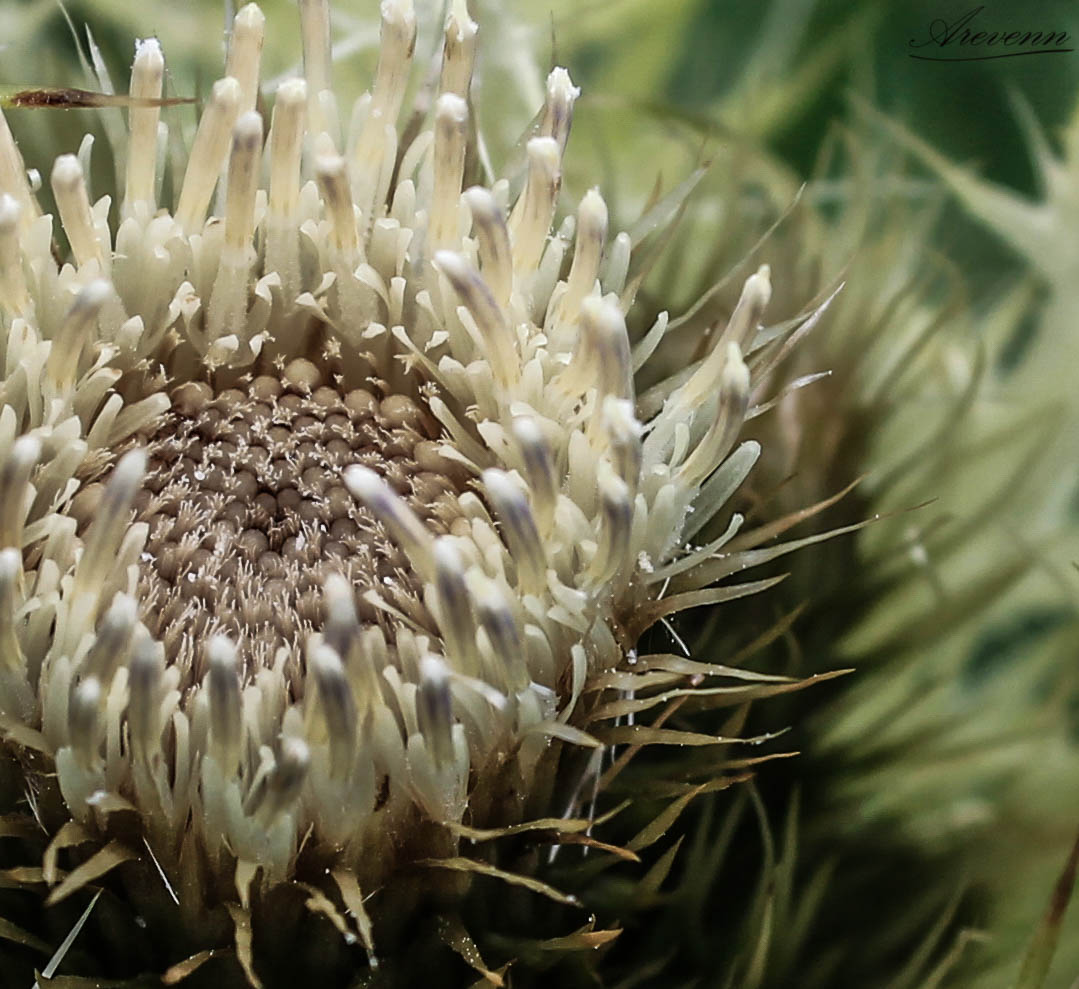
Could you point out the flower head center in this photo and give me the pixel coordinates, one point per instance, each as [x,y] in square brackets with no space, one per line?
[248,514]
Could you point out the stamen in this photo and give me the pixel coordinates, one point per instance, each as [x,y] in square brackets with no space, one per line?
[82,724]
[16,696]
[146,76]
[451,134]
[490,228]
[755,296]
[394,59]
[286,151]
[226,718]
[558,109]
[405,529]
[285,783]
[698,390]
[10,573]
[434,709]
[13,295]
[245,53]
[616,522]
[539,469]
[69,188]
[455,609]
[503,633]
[624,435]
[332,175]
[317,53]
[62,365]
[338,706]
[208,152]
[459,50]
[144,685]
[243,176]
[110,646]
[229,297]
[341,626]
[613,278]
[13,180]
[286,148]
[14,481]
[518,527]
[486,312]
[530,221]
[391,78]
[605,339]
[341,632]
[717,442]
[588,252]
[107,530]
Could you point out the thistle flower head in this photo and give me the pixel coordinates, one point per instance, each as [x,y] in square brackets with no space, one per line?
[326,496]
